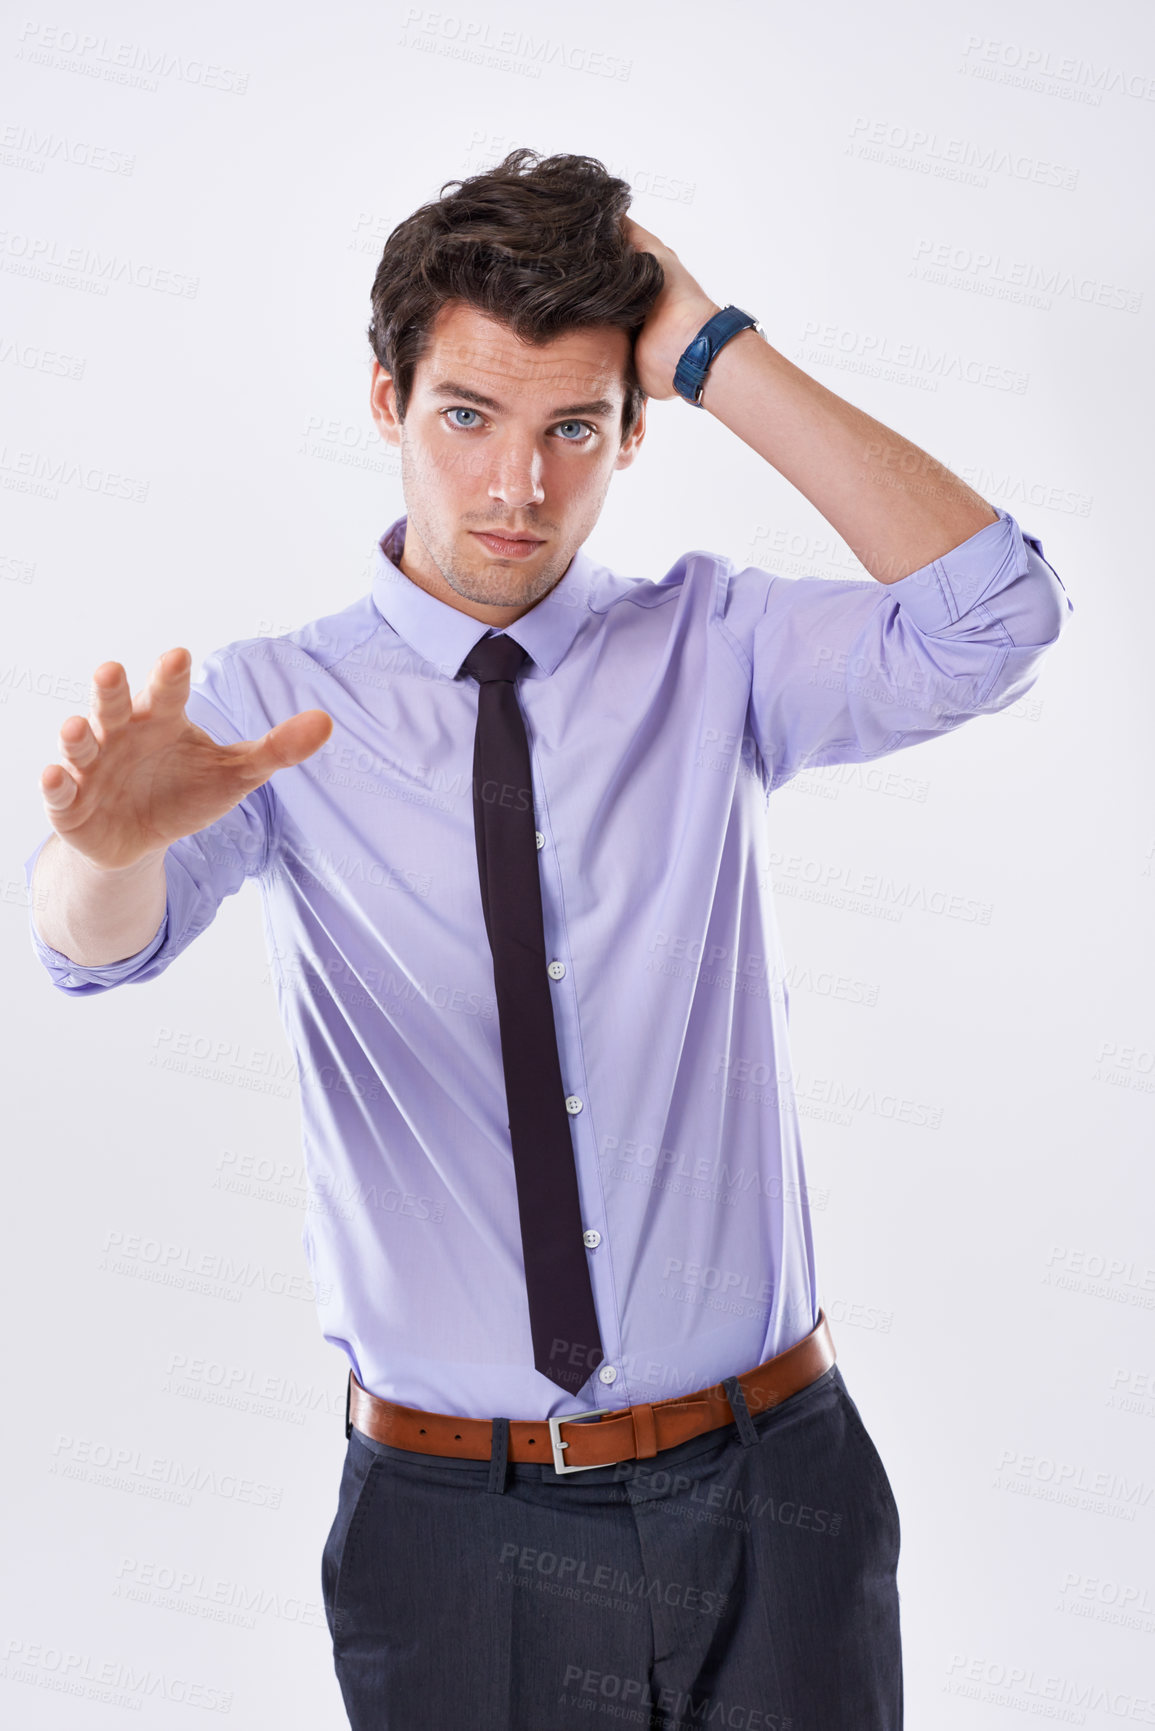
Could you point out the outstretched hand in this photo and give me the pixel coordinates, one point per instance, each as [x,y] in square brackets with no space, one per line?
[137,774]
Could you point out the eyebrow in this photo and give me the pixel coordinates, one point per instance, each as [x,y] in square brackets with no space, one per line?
[449,388]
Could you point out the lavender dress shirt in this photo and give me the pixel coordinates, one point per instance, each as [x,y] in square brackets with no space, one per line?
[661,716]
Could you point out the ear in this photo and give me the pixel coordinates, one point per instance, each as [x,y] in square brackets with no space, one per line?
[383,404]
[631,446]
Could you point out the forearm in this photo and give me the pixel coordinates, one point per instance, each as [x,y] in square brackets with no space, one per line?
[895,506]
[95,917]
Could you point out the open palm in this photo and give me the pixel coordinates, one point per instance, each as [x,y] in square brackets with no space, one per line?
[137,774]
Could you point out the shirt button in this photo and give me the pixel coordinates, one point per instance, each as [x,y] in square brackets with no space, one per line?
[540,838]
[572,1103]
[592,1238]
[556,970]
[607,1373]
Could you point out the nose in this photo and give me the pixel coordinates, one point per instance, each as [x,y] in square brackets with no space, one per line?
[517,475]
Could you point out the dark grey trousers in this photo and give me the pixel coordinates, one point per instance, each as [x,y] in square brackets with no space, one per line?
[744,1579]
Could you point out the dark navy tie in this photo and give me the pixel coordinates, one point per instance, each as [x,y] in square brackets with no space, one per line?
[563,1321]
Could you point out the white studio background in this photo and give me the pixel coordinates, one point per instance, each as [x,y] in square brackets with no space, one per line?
[927,211]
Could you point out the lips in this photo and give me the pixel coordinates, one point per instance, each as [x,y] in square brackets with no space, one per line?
[507,535]
[506,545]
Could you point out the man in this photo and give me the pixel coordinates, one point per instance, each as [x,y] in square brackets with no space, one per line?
[514,855]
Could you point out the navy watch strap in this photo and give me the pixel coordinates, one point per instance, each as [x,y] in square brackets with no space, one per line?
[692,369]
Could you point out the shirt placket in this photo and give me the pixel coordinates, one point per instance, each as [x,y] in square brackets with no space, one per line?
[608,1385]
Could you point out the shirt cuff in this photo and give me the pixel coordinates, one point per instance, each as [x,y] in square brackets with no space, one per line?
[71,976]
[937,595]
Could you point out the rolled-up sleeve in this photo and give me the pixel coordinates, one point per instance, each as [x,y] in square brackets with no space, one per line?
[200,869]
[847,670]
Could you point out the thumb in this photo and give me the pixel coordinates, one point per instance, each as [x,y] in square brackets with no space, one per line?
[291,741]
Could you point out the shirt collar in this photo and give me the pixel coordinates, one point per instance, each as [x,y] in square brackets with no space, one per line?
[443,635]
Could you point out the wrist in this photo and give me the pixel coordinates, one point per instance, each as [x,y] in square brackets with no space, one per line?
[681,334]
[143,866]
[696,363]
[691,325]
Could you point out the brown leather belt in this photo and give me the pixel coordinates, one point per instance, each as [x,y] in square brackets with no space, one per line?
[620,1434]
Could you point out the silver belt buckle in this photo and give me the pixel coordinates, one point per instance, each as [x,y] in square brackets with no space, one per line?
[557,1444]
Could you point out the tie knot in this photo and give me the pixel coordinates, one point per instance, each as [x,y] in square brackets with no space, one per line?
[499,657]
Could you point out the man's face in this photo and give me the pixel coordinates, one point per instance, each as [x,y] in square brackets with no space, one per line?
[500,435]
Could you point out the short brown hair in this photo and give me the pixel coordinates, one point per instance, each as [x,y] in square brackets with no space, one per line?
[537,243]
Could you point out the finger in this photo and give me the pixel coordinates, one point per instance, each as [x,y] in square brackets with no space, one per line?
[168,684]
[57,788]
[79,744]
[641,237]
[111,703]
[288,743]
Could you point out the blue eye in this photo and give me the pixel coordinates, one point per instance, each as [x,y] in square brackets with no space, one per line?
[581,433]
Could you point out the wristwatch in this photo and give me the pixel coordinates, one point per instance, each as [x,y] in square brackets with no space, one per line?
[691,371]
